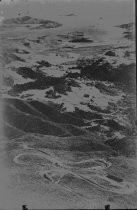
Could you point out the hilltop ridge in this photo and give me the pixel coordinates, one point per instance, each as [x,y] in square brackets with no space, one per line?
[30,20]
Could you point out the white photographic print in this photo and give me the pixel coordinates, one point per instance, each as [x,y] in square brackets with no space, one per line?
[67,104]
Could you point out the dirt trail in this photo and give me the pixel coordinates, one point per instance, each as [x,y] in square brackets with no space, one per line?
[63,169]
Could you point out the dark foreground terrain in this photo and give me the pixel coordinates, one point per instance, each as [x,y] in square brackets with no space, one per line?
[68,104]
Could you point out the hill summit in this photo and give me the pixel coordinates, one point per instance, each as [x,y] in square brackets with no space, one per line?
[31,20]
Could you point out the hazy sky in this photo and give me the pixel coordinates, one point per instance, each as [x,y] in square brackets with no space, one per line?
[112,11]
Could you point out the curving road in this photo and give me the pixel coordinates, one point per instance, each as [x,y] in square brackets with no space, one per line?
[61,169]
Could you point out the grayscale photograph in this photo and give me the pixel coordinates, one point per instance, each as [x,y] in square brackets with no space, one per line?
[68,137]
